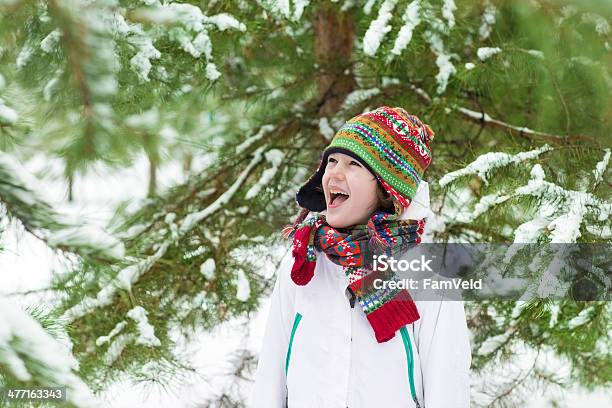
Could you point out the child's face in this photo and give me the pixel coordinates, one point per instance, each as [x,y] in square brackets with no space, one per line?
[346,175]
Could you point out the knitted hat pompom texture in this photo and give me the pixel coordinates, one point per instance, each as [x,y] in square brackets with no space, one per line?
[395,145]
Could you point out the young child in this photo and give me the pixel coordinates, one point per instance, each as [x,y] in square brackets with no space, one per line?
[334,340]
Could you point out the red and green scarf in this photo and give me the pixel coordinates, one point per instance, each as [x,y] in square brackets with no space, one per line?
[386,309]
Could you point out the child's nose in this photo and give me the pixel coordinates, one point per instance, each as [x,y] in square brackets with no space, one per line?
[337,172]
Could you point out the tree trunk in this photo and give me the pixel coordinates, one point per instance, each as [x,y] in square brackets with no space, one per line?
[334,39]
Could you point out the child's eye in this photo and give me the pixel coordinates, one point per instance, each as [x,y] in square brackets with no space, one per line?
[357,163]
[331,160]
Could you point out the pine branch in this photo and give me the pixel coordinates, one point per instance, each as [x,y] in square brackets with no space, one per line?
[92,64]
[485,119]
[516,383]
[18,192]
[30,357]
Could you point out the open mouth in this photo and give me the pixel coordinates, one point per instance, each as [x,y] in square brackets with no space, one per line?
[336,198]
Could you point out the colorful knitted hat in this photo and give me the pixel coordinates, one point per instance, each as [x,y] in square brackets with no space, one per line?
[393,144]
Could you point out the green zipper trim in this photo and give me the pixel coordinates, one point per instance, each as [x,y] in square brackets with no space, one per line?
[296,322]
[409,357]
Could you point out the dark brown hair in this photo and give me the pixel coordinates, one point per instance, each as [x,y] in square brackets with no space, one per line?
[386,199]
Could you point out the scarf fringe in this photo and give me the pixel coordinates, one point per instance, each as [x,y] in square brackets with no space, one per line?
[392,316]
[287,231]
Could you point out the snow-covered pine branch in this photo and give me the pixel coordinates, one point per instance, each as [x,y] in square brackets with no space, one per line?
[487,162]
[29,355]
[8,115]
[600,168]
[187,20]
[275,158]
[567,208]
[92,61]
[411,21]
[20,193]
[487,21]
[358,96]
[417,10]
[378,28]
[129,275]
[282,9]
[561,211]
[560,214]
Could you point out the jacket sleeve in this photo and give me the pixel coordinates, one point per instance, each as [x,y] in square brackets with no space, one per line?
[443,343]
[269,388]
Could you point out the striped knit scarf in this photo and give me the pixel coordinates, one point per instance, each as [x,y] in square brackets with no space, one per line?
[386,309]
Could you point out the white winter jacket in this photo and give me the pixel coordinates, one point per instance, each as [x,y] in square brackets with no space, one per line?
[319,352]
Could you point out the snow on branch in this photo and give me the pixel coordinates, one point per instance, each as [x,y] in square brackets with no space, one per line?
[275,158]
[189,16]
[187,20]
[30,354]
[482,207]
[445,66]
[487,21]
[146,333]
[411,21]
[522,131]
[581,318]
[132,273]
[193,219]
[265,129]
[492,344]
[486,52]
[600,168]
[569,207]
[8,115]
[116,330]
[92,60]
[378,28]
[19,192]
[358,96]
[448,9]
[485,163]
[280,9]
[560,212]
[483,118]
